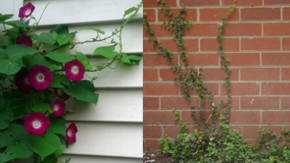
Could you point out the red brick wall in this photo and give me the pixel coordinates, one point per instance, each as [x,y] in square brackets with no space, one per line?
[257,41]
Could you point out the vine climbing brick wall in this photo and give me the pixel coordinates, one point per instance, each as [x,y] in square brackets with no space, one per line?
[257,41]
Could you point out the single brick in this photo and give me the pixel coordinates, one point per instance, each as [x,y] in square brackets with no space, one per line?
[152,131]
[178,102]
[276,2]
[156,60]
[245,117]
[154,3]
[286,43]
[285,73]
[216,14]
[202,30]
[276,58]
[150,74]
[243,2]
[200,2]
[276,88]
[202,59]
[160,117]
[276,116]
[243,89]
[150,15]
[256,44]
[243,59]
[150,103]
[260,73]
[274,29]
[218,74]
[261,14]
[151,143]
[160,89]
[211,44]
[243,29]
[286,13]
[259,102]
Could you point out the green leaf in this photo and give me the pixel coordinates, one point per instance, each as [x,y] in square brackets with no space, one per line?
[64,38]
[93,29]
[60,29]
[57,126]
[18,23]
[59,81]
[60,57]
[106,51]
[85,61]
[129,11]
[82,90]
[50,159]
[10,67]
[45,38]
[5,17]
[38,59]
[59,151]
[43,107]
[17,150]
[6,116]
[16,52]
[125,59]
[44,145]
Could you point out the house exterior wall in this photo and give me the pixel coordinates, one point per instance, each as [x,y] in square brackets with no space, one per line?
[257,43]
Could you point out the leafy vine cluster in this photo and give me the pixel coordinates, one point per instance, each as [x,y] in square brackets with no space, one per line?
[39,77]
[188,77]
[212,140]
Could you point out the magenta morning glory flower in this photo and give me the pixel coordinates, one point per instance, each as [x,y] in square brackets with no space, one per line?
[58,107]
[71,131]
[74,70]
[61,94]
[26,10]
[36,123]
[40,77]
[24,40]
[21,81]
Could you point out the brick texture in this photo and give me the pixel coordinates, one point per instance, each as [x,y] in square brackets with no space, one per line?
[257,42]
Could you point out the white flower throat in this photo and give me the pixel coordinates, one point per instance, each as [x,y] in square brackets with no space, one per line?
[75,69]
[36,124]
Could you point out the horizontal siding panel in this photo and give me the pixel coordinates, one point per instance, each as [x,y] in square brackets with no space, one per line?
[82,11]
[90,159]
[10,7]
[118,76]
[114,105]
[108,139]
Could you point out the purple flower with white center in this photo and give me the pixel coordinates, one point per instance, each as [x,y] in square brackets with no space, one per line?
[40,77]
[70,132]
[36,123]
[21,81]
[58,107]
[74,70]
[26,10]
[61,94]
[24,40]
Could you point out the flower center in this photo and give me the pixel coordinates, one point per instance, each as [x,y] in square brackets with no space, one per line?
[28,11]
[40,77]
[69,133]
[75,69]
[55,108]
[36,124]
